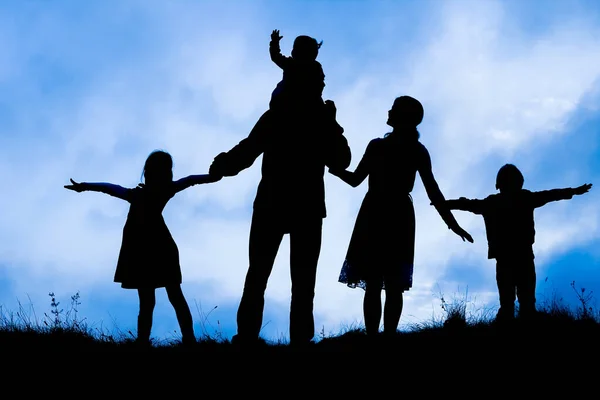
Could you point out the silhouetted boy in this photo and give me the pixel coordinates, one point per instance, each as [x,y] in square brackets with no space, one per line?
[510,231]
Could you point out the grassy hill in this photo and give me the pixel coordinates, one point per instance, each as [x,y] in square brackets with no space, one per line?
[558,331]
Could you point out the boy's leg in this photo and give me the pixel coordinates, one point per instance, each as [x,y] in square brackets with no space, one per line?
[526,281]
[144,325]
[506,289]
[182,310]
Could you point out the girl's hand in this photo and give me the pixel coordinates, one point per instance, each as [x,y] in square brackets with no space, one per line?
[78,187]
[275,35]
[462,233]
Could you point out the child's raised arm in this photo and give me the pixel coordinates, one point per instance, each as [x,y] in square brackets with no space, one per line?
[108,188]
[275,50]
[544,197]
[192,180]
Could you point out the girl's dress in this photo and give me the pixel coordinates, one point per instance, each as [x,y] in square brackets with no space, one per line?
[381,248]
[149,257]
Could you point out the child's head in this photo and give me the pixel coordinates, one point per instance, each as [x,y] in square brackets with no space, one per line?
[509,179]
[158,168]
[306,48]
[405,112]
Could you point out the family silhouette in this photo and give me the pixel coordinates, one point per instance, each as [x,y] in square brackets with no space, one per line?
[299,137]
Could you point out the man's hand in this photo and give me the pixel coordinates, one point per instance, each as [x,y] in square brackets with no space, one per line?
[582,189]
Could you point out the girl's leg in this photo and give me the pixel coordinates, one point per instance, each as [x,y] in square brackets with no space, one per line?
[372,306]
[144,326]
[182,310]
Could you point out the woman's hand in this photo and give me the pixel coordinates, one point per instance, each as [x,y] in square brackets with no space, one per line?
[76,186]
[462,233]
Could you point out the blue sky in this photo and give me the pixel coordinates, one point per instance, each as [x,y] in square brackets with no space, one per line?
[89,90]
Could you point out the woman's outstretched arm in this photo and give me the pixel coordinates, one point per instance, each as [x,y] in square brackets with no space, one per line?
[103,187]
[436,196]
[356,177]
[192,180]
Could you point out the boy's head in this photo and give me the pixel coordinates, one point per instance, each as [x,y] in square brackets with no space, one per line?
[509,179]
[306,48]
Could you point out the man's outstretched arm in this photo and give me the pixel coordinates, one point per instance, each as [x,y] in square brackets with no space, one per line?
[242,155]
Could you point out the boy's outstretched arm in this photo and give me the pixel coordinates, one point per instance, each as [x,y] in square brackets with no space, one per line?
[108,188]
[191,180]
[275,50]
[475,206]
[544,197]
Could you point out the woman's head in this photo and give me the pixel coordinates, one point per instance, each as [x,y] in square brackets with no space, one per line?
[158,168]
[406,112]
[509,179]
[306,48]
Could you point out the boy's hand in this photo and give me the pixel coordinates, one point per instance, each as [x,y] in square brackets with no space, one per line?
[76,186]
[582,189]
[275,35]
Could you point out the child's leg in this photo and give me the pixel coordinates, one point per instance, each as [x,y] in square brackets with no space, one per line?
[182,310]
[526,278]
[506,289]
[147,302]
[372,306]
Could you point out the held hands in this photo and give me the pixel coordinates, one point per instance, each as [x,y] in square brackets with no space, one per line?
[275,35]
[582,189]
[76,186]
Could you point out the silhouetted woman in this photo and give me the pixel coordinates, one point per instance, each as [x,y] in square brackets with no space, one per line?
[149,257]
[381,251]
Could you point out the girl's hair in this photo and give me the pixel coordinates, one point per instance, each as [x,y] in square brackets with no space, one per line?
[158,166]
[410,111]
[509,178]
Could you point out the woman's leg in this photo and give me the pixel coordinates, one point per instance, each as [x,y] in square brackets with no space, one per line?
[144,325]
[394,302]
[372,306]
[182,310]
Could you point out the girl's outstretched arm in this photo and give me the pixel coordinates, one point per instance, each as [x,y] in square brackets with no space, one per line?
[108,188]
[192,180]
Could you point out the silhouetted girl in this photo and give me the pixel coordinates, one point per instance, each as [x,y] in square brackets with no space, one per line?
[381,251]
[149,258]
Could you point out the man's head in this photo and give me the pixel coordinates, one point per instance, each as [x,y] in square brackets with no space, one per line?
[509,179]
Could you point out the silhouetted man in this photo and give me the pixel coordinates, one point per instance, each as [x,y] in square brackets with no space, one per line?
[290,199]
